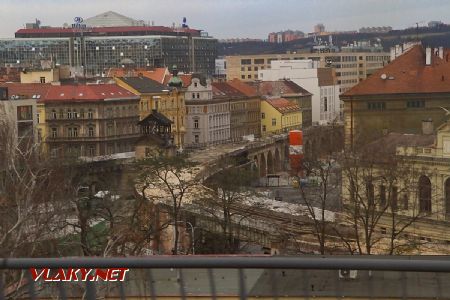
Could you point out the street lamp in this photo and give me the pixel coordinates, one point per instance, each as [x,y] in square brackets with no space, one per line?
[192,234]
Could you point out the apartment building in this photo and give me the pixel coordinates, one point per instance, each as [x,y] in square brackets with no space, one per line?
[90,120]
[20,103]
[245,108]
[279,115]
[351,67]
[208,116]
[289,90]
[167,100]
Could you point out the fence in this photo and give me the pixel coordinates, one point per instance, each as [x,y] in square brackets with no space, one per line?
[245,277]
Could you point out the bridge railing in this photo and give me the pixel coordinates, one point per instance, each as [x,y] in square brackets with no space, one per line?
[243,277]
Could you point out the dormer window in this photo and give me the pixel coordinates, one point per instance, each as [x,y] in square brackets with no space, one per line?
[195,84]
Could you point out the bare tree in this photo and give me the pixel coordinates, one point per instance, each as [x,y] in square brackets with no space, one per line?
[226,201]
[380,194]
[168,180]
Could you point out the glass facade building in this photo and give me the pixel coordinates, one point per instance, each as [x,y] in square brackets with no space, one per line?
[94,55]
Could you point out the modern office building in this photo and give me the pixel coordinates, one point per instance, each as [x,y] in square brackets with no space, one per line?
[91,51]
[351,67]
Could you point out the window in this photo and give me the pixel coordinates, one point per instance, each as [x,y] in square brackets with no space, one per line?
[249,68]
[82,113]
[198,95]
[405,201]
[53,114]
[264,128]
[259,61]
[415,104]
[382,195]
[394,198]
[90,114]
[242,76]
[424,194]
[24,113]
[246,61]
[196,123]
[274,122]
[91,150]
[370,194]
[196,138]
[195,84]
[54,132]
[447,197]
[91,131]
[325,104]
[42,79]
[69,114]
[376,105]
[263,115]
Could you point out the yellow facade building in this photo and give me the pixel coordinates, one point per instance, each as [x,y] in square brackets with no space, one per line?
[166,100]
[279,115]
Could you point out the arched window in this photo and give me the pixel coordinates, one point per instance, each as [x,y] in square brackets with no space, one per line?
[447,197]
[424,194]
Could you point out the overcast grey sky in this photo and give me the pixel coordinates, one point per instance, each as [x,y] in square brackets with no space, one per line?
[232,18]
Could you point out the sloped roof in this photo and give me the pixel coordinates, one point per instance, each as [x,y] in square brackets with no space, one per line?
[145,85]
[156,117]
[279,87]
[223,89]
[185,78]
[244,88]
[283,105]
[27,90]
[109,18]
[408,74]
[157,74]
[389,143]
[86,93]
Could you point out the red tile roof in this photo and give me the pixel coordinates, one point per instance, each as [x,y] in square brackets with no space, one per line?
[283,105]
[117,29]
[408,74]
[223,89]
[27,90]
[186,78]
[157,74]
[244,88]
[279,87]
[86,93]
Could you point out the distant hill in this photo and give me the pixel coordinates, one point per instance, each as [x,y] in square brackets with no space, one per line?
[434,37]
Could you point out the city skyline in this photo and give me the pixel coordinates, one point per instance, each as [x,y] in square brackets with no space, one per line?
[250,19]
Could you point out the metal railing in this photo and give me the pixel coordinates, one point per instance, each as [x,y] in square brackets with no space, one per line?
[279,272]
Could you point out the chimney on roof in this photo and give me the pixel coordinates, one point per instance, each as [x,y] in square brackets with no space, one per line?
[427,126]
[441,52]
[428,56]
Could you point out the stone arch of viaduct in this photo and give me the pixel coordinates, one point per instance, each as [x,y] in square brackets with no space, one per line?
[270,159]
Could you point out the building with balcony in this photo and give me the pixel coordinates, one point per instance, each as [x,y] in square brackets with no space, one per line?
[351,68]
[165,99]
[413,87]
[279,115]
[21,107]
[90,120]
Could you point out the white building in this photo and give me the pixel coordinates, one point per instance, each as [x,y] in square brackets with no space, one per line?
[221,67]
[321,82]
[208,117]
